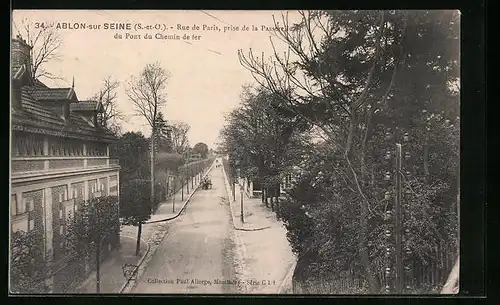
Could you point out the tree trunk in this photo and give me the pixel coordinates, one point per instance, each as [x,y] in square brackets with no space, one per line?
[138,245]
[167,185]
[350,134]
[266,196]
[262,195]
[152,174]
[98,263]
[271,197]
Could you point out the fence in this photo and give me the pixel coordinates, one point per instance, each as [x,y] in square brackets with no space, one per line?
[344,283]
[428,278]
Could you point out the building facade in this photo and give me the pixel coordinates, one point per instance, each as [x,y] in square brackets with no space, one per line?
[59,158]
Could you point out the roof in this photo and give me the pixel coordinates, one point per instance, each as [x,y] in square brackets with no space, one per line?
[34,116]
[86,106]
[53,93]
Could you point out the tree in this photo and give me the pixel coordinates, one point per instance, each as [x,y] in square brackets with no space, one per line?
[94,223]
[46,44]
[135,205]
[28,266]
[363,78]
[111,115]
[162,143]
[147,93]
[132,150]
[170,163]
[201,148]
[180,141]
[262,142]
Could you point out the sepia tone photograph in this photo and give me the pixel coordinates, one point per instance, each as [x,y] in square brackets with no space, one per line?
[235,152]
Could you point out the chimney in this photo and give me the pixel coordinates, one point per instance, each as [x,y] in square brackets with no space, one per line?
[21,54]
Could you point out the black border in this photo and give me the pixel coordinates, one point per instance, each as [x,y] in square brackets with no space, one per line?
[473,138]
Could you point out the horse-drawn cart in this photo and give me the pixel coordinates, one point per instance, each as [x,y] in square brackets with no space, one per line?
[206,183]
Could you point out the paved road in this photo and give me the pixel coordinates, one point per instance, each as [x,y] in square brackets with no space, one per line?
[198,250]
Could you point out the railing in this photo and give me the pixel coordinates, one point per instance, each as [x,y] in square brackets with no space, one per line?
[37,164]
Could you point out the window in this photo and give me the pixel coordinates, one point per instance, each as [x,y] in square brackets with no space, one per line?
[21,207]
[63,196]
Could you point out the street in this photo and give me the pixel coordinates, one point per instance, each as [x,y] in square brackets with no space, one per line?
[198,251]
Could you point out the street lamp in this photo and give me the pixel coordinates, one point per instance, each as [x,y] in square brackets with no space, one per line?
[241,203]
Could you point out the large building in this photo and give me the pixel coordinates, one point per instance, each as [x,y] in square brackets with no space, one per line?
[59,158]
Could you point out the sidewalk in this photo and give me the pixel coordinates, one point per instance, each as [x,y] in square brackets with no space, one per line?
[155,230]
[112,278]
[268,258]
[111,272]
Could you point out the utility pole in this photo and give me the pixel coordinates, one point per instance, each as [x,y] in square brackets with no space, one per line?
[398,230]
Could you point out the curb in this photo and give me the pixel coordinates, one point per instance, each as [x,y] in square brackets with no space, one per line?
[138,264]
[287,277]
[167,231]
[185,204]
[228,192]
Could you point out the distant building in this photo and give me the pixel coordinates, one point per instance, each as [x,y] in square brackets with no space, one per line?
[59,158]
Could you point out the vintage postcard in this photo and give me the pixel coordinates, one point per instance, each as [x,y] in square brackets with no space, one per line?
[234,152]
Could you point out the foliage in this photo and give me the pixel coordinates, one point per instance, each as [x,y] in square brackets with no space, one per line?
[260,141]
[367,80]
[162,143]
[132,150]
[28,266]
[95,221]
[170,162]
[201,148]
[135,202]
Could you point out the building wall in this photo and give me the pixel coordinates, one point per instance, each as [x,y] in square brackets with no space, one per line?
[50,204]
[49,180]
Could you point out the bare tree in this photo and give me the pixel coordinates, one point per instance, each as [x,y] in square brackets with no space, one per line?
[147,93]
[180,140]
[108,96]
[45,42]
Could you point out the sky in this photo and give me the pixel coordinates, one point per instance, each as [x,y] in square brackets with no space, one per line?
[206,76]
